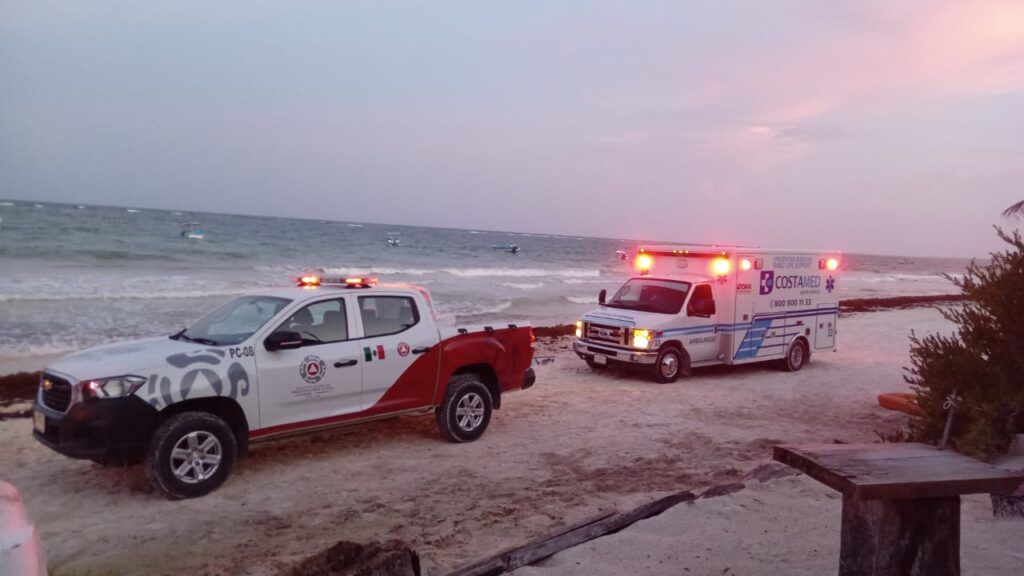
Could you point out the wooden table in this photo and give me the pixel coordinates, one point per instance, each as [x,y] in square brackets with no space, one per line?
[901,502]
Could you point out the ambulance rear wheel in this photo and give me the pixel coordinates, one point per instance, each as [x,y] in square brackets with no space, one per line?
[466,411]
[191,454]
[670,365]
[797,356]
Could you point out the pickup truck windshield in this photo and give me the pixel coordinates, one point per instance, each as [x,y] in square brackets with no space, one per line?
[233,322]
[649,295]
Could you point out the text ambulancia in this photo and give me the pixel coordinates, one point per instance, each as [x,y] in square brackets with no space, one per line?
[699,306]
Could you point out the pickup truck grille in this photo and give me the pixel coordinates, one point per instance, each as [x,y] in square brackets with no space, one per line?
[58,396]
[616,335]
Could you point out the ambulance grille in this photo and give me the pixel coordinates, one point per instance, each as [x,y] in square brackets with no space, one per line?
[604,333]
[58,396]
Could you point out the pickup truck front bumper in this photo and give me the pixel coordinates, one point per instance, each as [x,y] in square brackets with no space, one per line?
[614,355]
[111,429]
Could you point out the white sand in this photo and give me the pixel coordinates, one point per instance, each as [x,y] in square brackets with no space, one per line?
[788,527]
[575,443]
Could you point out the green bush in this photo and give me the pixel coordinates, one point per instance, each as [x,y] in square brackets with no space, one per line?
[982,362]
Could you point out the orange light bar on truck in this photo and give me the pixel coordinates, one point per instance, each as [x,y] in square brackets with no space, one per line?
[312,281]
[644,263]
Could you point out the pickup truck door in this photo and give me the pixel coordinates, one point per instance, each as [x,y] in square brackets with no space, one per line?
[399,351]
[322,378]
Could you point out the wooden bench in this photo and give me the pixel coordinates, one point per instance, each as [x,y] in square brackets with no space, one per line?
[901,502]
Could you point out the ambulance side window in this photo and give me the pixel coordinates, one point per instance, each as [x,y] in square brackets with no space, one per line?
[702,303]
[319,323]
[384,315]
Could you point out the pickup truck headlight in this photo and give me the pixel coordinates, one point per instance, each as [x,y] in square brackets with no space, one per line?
[116,387]
[579,328]
[641,339]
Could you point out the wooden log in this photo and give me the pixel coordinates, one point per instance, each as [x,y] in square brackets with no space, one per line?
[569,536]
[908,537]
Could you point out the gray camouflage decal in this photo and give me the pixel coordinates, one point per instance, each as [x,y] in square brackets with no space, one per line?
[160,388]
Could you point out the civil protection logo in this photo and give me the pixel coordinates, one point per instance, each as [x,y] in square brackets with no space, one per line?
[312,369]
[767,281]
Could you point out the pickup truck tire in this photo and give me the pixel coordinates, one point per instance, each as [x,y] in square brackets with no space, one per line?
[671,364]
[466,410]
[191,454]
[796,356]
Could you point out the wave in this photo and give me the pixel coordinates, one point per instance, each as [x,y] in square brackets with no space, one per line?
[523,286]
[467,272]
[603,281]
[582,299]
[898,277]
[147,295]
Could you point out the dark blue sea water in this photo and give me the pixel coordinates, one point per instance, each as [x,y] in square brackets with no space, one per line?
[73,276]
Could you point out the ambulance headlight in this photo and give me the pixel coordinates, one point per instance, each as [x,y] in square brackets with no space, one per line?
[642,339]
[116,387]
[579,328]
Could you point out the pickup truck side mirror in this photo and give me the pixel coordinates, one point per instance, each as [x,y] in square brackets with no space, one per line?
[283,340]
[601,296]
[703,307]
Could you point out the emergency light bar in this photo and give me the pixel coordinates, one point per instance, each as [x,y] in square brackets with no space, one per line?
[313,280]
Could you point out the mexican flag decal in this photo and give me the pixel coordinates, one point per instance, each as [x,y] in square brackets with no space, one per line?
[370,353]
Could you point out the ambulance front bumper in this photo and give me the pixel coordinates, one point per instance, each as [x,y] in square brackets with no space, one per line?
[588,350]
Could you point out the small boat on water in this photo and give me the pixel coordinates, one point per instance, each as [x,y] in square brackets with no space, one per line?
[194,232]
[394,239]
[510,248]
[620,254]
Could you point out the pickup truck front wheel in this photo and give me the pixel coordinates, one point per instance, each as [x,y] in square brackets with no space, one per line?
[191,454]
[466,411]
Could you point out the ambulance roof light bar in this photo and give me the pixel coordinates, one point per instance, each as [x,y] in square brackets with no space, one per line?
[313,280]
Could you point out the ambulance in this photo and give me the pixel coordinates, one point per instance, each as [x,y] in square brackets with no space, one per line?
[692,306]
[322,353]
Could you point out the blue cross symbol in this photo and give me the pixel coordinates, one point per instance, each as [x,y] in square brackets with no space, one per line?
[830,284]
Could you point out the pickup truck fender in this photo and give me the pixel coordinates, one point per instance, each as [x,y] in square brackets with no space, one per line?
[501,363]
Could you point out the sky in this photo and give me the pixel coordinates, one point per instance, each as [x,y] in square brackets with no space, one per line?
[866,126]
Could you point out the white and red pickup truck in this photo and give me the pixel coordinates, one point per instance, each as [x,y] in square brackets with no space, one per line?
[325,353]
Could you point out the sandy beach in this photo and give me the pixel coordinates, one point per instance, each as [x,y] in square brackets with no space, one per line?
[576,443]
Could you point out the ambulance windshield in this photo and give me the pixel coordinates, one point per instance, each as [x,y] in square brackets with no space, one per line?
[233,322]
[650,295]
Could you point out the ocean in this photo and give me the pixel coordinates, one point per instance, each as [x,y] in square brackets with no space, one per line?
[75,276]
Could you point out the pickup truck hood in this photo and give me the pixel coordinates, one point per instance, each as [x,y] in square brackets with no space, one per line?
[136,357]
[632,318]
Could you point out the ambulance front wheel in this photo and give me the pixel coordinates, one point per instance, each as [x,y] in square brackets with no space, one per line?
[797,356]
[671,364]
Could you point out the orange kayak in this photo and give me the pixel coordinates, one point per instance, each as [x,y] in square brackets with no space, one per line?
[902,401]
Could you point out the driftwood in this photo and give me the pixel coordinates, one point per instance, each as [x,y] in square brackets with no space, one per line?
[578,533]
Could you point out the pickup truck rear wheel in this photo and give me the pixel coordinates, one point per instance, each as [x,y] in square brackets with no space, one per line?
[191,454]
[466,410]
